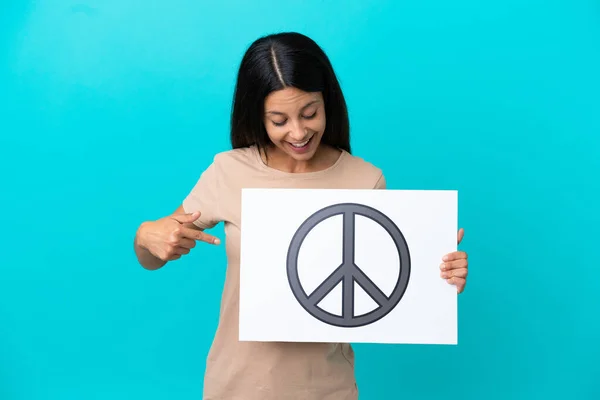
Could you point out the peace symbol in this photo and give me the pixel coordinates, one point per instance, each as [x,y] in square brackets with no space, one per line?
[348,272]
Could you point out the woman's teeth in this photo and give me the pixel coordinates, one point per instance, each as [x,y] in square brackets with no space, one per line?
[300,144]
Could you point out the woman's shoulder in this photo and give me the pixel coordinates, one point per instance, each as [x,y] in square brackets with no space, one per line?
[359,169]
[245,156]
[361,164]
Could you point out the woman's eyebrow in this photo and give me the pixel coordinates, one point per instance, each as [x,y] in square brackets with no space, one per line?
[303,108]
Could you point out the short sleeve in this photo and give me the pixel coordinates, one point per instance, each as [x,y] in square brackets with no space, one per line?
[204,197]
[381,184]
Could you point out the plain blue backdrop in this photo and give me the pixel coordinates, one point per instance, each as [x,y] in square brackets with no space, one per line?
[111,109]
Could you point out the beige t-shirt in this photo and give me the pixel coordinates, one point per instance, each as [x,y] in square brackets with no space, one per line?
[269,371]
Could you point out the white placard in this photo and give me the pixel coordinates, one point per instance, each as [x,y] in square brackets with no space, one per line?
[347,266]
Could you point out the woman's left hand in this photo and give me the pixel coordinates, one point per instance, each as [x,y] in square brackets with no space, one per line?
[455,266]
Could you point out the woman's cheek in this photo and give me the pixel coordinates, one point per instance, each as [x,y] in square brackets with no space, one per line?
[318,126]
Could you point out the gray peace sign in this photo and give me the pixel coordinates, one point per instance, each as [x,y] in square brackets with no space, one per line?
[348,272]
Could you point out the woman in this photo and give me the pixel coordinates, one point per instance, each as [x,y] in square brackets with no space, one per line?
[289,129]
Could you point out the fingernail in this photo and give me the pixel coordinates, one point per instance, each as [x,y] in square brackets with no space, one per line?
[445,258]
[444,274]
[442,266]
[217,241]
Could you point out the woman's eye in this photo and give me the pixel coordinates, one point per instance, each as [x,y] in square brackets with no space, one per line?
[310,116]
[282,123]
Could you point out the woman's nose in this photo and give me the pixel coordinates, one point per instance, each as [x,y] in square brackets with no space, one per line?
[298,132]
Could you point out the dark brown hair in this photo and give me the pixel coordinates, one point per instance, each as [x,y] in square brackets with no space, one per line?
[273,63]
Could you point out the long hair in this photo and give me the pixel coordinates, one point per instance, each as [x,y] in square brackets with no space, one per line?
[275,62]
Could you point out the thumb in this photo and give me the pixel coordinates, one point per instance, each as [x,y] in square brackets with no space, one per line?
[187,218]
[461,234]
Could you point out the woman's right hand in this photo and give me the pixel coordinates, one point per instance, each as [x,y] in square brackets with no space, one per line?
[171,237]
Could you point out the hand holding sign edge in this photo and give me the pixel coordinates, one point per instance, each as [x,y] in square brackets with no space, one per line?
[455,266]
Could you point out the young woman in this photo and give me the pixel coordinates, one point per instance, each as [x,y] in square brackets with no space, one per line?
[289,129]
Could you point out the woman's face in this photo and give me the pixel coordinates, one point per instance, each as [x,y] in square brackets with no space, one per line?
[295,122]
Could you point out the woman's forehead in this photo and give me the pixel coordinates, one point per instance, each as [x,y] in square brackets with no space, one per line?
[291,98]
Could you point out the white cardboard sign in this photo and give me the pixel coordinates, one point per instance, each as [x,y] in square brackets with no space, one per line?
[347,266]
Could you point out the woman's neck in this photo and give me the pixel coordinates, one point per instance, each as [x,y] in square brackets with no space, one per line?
[324,158]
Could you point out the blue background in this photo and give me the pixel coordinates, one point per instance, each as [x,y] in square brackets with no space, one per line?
[111,109]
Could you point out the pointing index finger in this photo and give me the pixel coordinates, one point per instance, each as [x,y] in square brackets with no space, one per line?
[199,235]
